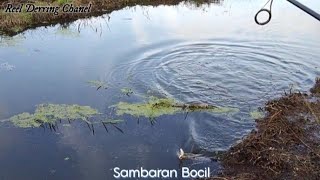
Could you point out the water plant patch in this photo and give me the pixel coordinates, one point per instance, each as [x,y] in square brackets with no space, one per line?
[155,107]
[51,113]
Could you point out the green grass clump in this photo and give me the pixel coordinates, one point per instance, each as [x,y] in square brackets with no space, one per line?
[51,113]
[156,107]
[153,108]
[25,120]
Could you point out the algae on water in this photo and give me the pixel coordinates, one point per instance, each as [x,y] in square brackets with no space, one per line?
[156,107]
[51,113]
[153,108]
[113,121]
[127,91]
[25,120]
[256,115]
[98,84]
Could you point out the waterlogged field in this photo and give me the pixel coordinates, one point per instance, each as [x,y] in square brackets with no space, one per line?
[131,88]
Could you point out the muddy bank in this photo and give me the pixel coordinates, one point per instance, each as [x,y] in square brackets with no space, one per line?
[14,23]
[285,144]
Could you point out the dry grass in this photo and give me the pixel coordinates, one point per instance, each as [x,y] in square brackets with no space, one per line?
[286,144]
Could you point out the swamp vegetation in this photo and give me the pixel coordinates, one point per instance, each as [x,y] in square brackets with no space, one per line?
[285,144]
[155,107]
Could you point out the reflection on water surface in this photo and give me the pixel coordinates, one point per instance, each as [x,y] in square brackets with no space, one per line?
[212,55]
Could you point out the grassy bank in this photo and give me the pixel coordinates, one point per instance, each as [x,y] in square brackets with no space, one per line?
[285,144]
[14,23]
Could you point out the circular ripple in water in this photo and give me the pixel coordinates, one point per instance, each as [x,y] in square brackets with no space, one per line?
[239,74]
[220,72]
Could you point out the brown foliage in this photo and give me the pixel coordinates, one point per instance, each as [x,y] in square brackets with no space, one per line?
[285,144]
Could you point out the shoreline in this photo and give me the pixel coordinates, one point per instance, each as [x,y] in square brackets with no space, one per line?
[285,143]
[18,19]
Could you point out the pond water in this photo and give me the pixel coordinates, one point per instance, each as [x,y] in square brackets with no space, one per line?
[212,54]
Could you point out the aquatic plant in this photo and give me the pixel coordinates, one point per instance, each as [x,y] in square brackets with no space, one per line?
[51,113]
[127,91]
[156,107]
[25,120]
[256,115]
[98,84]
[113,121]
[151,109]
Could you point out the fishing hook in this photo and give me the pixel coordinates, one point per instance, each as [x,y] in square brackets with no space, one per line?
[263,9]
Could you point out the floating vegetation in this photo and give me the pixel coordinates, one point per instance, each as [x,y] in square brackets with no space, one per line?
[256,114]
[25,120]
[127,91]
[6,67]
[98,84]
[156,107]
[113,121]
[51,113]
[153,108]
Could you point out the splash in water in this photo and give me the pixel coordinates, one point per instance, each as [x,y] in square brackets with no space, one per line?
[6,67]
